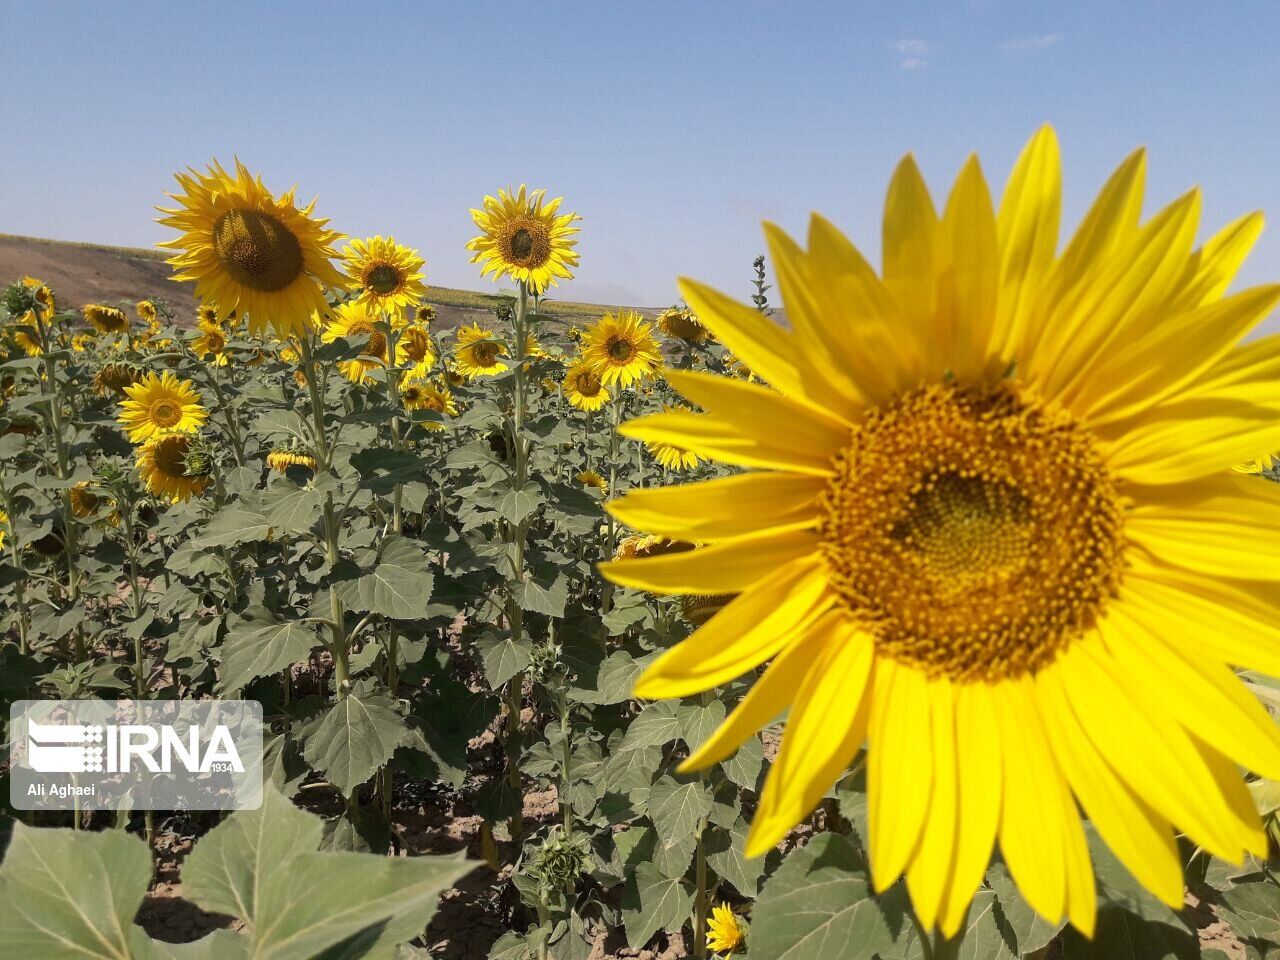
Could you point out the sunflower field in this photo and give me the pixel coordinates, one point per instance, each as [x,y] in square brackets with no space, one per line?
[910,613]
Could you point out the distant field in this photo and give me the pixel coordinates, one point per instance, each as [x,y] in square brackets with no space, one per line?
[83,273]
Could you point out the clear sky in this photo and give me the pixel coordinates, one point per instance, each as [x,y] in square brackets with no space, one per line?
[672,128]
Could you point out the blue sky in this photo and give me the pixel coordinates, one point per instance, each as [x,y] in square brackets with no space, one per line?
[673,128]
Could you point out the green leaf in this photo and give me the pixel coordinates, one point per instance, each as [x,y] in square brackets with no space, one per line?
[656,726]
[503,658]
[1122,935]
[290,508]
[380,469]
[70,894]
[698,721]
[516,505]
[677,807]
[398,585]
[653,902]
[232,525]
[818,906]
[299,904]
[726,857]
[543,595]
[255,649]
[743,768]
[1253,910]
[355,737]
[1030,930]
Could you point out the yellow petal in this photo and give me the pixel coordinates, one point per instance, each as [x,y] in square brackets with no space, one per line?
[759,342]
[773,692]
[725,507]
[930,871]
[723,440]
[1139,837]
[825,730]
[729,566]
[741,636]
[756,410]
[1030,212]
[899,768]
[1214,267]
[969,276]
[910,237]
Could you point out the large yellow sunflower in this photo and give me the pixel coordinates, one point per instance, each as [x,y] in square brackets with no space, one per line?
[989,529]
[583,387]
[477,352]
[524,238]
[621,348]
[105,319]
[357,319]
[248,251]
[388,275]
[159,405]
[162,463]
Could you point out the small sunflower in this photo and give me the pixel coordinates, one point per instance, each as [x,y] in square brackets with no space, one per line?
[669,455]
[621,348]
[478,351]
[85,504]
[428,396]
[43,296]
[146,311]
[159,405]
[281,460]
[388,275]
[583,387]
[414,350]
[114,378]
[163,463]
[425,314]
[83,342]
[211,347]
[356,319]
[724,933]
[207,316]
[105,319]
[590,478]
[522,238]
[30,345]
[250,252]
[679,323]
[4,527]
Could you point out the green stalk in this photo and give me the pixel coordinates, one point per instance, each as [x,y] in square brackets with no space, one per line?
[233,428]
[701,895]
[20,588]
[387,778]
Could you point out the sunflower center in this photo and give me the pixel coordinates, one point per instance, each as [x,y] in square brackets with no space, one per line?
[170,456]
[620,349]
[588,384]
[975,532]
[257,249]
[383,279]
[165,413]
[485,352]
[214,342]
[525,243]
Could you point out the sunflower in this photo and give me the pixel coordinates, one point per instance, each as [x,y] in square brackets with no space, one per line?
[85,504]
[4,526]
[590,478]
[83,342]
[478,351]
[1257,466]
[582,387]
[207,316]
[250,252]
[159,405]
[388,276]
[679,323]
[671,456]
[621,349]
[105,319]
[42,295]
[211,346]
[356,319]
[522,238]
[30,345]
[146,311]
[114,378]
[164,465]
[724,933]
[414,350]
[425,314]
[428,396]
[990,531]
[281,460]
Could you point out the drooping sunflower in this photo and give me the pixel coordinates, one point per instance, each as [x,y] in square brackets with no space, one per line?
[591,478]
[45,302]
[105,319]
[281,460]
[146,311]
[524,238]
[163,463]
[428,396]
[990,530]
[679,323]
[477,352]
[356,319]
[114,378]
[30,345]
[211,346]
[414,350]
[672,456]
[388,275]
[86,504]
[724,933]
[250,252]
[621,348]
[159,405]
[583,387]
[83,342]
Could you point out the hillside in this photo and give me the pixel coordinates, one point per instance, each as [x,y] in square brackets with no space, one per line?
[83,273]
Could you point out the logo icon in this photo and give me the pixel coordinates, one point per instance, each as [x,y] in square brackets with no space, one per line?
[64,748]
